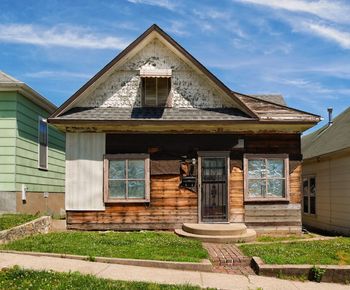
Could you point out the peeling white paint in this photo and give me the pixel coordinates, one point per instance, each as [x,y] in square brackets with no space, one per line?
[123,87]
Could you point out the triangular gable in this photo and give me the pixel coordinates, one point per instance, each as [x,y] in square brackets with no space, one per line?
[131,51]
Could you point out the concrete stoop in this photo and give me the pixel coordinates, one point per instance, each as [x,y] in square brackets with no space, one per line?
[217,233]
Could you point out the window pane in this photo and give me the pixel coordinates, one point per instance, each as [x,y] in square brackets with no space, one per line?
[275,188]
[150,92]
[306,204]
[275,168]
[312,205]
[256,188]
[312,186]
[116,169]
[214,169]
[42,156]
[43,132]
[136,169]
[305,186]
[136,189]
[116,188]
[163,90]
[256,168]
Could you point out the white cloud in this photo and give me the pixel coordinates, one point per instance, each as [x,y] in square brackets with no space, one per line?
[57,74]
[327,16]
[64,36]
[209,13]
[178,28]
[333,10]
[310,87]
[168,4]
[340,37]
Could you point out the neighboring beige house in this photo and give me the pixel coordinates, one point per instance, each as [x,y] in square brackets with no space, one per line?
[326,176]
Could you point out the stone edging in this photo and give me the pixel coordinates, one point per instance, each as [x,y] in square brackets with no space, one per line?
[40,225]
[333,273]
[203,266]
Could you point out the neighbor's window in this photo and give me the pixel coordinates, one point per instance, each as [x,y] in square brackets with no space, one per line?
[309,194]
[266,177]
[126,178]
[42,144]
[155,91]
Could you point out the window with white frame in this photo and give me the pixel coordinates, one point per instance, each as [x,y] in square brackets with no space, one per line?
[309,194]
[126,177]
[42,144]
[266,177]
[155,91]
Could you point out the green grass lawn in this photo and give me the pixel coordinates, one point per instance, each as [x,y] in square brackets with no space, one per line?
[8,221]
[327,252]
[135,245]
[283,238]
[17,278]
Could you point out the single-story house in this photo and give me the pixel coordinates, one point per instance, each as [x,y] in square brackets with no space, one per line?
[32,152]
[155,140]
[326,176]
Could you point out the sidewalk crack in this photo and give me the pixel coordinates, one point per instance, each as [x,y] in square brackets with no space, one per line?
[101,270]
[202,281]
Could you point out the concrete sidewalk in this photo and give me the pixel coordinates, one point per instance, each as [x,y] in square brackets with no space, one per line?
[165,276]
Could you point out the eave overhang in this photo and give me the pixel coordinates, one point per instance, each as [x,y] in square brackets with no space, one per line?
[29,93]
[180,126]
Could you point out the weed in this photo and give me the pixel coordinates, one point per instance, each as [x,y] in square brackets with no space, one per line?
[316,274]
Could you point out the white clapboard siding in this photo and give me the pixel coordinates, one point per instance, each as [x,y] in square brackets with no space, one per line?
[332,193]
[84,171]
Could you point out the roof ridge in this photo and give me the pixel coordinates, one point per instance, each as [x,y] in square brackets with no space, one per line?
[14,80]
[328,138]
[326,126]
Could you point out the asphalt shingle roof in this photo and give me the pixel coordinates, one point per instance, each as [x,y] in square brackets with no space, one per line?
[277,99]
[167,114]
[328,138]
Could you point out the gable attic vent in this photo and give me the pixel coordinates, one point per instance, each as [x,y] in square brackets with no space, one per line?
[155,73]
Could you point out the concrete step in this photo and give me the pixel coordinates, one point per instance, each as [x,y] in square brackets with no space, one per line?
[215,229]
[248,236]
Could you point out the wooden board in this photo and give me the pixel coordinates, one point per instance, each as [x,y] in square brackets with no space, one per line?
[170,206]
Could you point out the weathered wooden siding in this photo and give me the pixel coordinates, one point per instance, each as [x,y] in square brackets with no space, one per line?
[236,198]
[27,171]
[266,217]
[7,140]
[169,207]
[273,218]
[332,194]
[84,170]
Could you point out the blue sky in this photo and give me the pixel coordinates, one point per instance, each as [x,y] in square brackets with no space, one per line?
[298,48]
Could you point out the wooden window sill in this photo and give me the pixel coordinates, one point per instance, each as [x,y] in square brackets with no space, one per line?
[136,200]
[266,200]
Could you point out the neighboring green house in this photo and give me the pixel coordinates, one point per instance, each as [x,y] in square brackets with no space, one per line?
[32,153]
